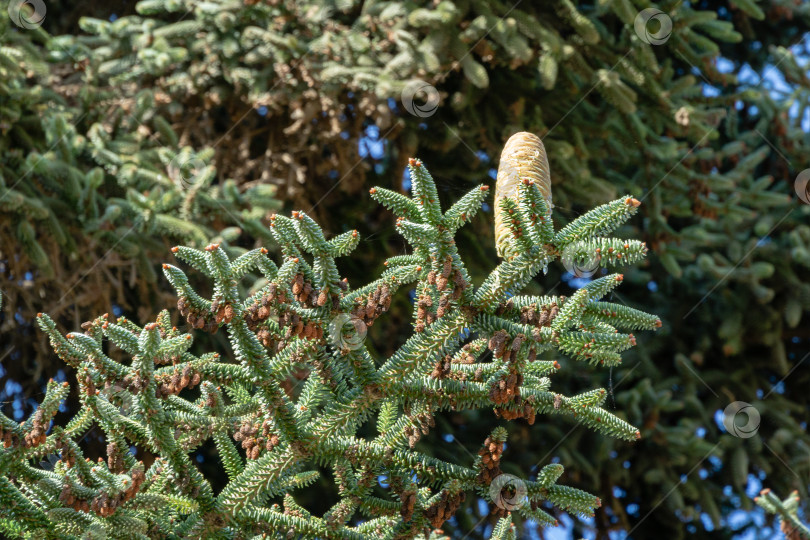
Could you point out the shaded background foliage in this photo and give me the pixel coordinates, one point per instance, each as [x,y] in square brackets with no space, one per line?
[300,102]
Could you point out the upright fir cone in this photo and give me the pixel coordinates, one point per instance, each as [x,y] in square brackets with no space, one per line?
[523,157]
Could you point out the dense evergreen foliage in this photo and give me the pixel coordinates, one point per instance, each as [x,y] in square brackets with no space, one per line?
[472,347]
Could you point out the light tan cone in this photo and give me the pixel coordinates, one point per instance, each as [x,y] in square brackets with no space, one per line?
[524,156]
